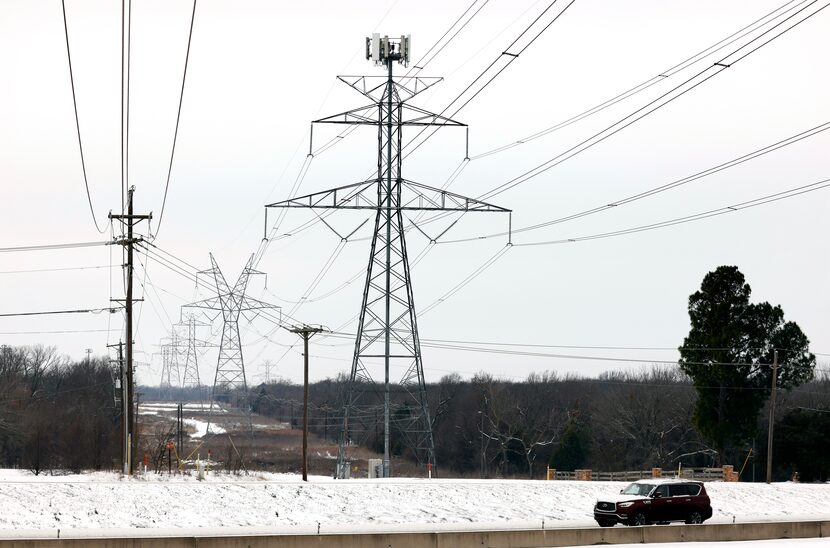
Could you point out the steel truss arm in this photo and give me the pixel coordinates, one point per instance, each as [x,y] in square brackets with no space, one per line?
[410,116]
[374,87]
[414,197]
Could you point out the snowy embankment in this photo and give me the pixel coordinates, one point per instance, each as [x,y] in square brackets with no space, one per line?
[272,503]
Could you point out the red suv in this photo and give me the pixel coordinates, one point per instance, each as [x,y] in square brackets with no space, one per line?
[655,501]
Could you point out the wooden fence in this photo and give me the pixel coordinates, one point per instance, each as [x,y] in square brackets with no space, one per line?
[726,473]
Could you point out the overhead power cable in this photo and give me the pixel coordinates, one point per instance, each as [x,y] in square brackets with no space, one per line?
[58,332]
[505,59]
[770,198]
[46,247]
[51,312]
[660,77]
[78,123]
[426,58]
[320,275]
[178,118]
[490,261]
[513,352]
[662,188]
[126,11]
[474,274]
[681,89]
[35,270]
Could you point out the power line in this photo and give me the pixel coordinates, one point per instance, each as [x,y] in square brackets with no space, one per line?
[458,287]
[512,352]
[797,191]
[126,143]
[77,122]
[423,61]
[651,107]
[505,54]
[123,86]
[663,188]
[178,118]
[43,313]
[587,347]
[57,332]
[55,269]
[642,86]
[46,247]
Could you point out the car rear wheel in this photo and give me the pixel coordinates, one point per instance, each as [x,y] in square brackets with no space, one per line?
[694,518]
[638,519]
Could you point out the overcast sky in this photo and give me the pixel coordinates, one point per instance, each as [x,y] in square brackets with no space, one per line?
[260,71]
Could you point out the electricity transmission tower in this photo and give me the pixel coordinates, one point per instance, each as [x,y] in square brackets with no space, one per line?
[170,373]
[190,373]
[231,302]
[387,332]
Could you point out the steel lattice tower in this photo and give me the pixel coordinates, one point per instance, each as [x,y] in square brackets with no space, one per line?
[387,329]
[190,377]
[231,302]
[170,372]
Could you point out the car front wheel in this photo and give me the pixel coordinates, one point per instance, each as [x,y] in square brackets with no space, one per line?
[605,523]
[638,519]
[694,518]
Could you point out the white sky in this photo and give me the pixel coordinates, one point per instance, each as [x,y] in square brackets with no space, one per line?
[260,71]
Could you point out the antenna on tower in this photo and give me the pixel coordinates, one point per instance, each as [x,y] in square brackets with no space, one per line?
[380,50]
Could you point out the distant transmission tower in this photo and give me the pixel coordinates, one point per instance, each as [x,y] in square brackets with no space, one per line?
[170,373]
[231,302]
[190,373]
[190,377]
[387,331]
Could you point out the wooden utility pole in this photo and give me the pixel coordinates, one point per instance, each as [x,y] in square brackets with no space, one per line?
[129,221]
[306,333]
[772,414]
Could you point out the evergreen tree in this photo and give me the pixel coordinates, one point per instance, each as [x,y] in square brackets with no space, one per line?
[728,355]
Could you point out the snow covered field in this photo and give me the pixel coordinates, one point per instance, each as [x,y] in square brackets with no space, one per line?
[271,503]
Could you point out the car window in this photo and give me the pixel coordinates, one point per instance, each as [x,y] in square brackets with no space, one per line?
[680,490]
[639,489]
[663,490]
[693,489]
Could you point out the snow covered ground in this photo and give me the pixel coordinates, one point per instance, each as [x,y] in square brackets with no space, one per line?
[202,428]
[272,503]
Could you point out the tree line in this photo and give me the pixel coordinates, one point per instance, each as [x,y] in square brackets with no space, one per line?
[496,428]
[708,410]
[57,414]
